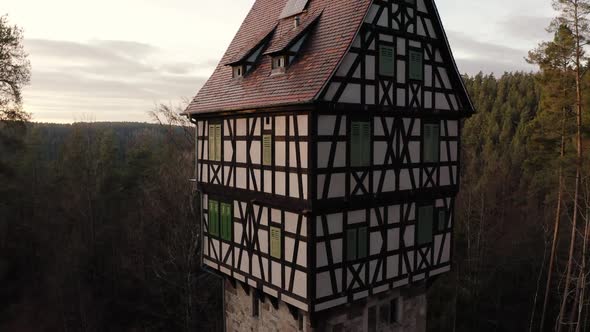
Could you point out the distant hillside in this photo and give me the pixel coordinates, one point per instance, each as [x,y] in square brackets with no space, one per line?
[51,136]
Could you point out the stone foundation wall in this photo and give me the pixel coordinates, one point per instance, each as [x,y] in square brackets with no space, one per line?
[411,307]
[411,313]
[238,314]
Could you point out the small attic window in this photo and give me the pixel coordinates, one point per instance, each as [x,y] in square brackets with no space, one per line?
[238,71]
[279,62]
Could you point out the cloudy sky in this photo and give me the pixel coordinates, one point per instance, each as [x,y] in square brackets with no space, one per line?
[114,60]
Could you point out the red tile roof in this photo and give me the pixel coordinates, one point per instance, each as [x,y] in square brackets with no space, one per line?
[304,79]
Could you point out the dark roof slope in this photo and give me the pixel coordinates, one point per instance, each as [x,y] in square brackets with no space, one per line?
[304,79]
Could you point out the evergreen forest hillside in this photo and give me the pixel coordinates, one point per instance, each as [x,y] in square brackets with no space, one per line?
[99,226]
[100,222]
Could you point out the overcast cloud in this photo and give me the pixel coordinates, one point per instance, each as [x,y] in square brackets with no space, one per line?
[115,60]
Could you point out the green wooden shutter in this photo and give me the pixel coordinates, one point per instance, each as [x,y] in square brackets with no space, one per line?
[223,220]
[218,142]
[351,244]
[362,242]
[230,220]
[426,147]
[416,65]
[431,141]
[267,150]
[386,60]
[355,144]
[435,143]
[226,221]
[275,242]
[360,144]
[425,225]
[213,218]
[366,143]
[212,142]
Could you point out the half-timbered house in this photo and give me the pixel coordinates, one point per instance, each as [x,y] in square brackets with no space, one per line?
[327,144]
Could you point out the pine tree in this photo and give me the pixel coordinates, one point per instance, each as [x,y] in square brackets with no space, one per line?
[547,140]
[573,14]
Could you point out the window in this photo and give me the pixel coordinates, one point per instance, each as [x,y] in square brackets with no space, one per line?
[386,60]
[395,311]
[300,321]
[226,221]
[381,316]
[266,150]
[275,242]
[213,218]
[279,62]
[372,319]
[442,220]
[384,312]
[356,243]
[255,304]
[238,71]
[215,142]
[360,144]
[338,328]
[425,225]
[431,143]
[416,65]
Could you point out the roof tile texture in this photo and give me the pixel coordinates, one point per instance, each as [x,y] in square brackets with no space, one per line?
[304,78]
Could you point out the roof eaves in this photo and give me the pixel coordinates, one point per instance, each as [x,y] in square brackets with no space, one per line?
[301,103]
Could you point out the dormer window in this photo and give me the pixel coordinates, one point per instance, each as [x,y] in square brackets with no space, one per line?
[285,50]
[238,71]
[245,61]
